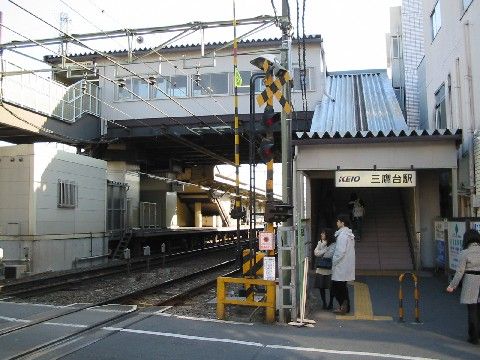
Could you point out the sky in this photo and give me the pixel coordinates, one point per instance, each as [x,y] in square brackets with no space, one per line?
[353,30]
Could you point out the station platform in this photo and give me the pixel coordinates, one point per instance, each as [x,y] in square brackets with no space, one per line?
[156,334]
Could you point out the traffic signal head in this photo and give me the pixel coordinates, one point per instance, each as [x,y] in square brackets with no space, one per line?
[270,117]
[266,150]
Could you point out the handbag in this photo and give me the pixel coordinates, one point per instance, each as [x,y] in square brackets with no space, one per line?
[323,263]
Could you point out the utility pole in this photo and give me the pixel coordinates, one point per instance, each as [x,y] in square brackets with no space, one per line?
[286,120]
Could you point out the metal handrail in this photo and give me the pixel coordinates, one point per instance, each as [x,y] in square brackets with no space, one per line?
[49,97]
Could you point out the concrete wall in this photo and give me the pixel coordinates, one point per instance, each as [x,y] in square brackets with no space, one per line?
[397,155]
[49,237]
[201,105]
[429,206]
[16,168]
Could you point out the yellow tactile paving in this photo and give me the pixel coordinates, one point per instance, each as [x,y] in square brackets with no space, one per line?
[363,309]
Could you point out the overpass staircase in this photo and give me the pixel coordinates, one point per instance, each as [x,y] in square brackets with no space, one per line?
[34,107]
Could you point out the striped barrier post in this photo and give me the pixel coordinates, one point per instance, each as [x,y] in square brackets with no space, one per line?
[416,294]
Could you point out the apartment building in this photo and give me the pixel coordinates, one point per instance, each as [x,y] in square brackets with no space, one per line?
[405,50]
[450,85]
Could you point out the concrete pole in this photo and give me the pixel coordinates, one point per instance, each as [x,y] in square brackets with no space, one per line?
[198,214]
[286,121]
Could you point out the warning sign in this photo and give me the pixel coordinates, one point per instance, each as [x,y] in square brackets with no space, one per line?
[269,268]
[266,241]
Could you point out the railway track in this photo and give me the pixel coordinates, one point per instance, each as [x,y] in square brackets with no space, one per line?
[165,293]
[48,284]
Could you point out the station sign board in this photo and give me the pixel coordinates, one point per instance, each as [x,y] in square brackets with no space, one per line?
[266,241]
[375,178]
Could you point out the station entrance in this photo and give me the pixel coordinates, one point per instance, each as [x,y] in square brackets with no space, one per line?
[405,184]
[384,241]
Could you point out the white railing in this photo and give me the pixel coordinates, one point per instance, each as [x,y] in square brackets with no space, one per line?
[148,215]
[40,94]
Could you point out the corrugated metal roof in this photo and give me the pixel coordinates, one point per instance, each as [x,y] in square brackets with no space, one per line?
[208,46]
[358,101]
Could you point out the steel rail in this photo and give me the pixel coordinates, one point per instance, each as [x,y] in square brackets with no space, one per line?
[23,289]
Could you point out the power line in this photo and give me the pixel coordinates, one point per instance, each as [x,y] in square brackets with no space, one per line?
[112,60]
[151,68]
[155,50]
[174,138]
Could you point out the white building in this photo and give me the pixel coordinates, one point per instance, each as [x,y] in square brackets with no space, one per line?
[451,84]
[52,208]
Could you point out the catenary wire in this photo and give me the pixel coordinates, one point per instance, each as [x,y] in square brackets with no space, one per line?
[174,138]
[155,70]
[114,61]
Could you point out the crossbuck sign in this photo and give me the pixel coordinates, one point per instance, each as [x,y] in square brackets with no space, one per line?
[377,178]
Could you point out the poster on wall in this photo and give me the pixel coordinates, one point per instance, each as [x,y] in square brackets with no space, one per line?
[475,225]
[440,242]
[456,229]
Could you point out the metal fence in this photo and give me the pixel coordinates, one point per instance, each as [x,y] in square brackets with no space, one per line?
[148,215]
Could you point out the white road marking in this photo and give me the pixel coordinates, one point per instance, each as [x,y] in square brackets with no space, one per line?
[212,320]
[183,336]
[32,304]
[66,325]
[14,319]
[255,344]
[346,352]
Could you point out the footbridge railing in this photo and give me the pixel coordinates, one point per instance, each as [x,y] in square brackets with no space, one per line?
[39,93]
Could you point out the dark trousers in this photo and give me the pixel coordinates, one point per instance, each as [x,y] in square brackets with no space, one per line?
[473,321]
[340,291]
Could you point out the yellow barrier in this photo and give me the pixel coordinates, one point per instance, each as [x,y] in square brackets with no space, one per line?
[416,294]
[269,302]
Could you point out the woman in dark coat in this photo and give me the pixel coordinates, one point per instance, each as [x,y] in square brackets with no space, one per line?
[469,269]
[323,276]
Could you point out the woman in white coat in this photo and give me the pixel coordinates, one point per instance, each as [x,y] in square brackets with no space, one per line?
[469,269]
[343,263]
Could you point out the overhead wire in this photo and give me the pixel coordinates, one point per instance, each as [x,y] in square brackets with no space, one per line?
[138,58]
[111,59]
[156,51]
[174,138]
[133,73]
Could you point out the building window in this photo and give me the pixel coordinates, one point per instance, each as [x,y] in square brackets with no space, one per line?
[175,86]
[140,88]
[436,19]
[215,84]
[440,108]
[395,47]
[296,79]
[122,93]
[466,4]
[66,194]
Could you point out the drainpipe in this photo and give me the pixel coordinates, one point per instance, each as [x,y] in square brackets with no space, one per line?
[471,108]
